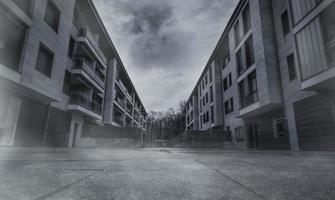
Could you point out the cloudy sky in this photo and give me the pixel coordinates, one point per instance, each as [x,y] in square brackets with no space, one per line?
[164,44]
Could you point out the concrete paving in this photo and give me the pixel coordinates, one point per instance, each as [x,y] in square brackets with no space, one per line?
[136,174]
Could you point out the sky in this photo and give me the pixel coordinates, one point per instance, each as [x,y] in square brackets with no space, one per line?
[164,44]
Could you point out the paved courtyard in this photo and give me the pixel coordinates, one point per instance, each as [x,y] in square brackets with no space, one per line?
[136,174]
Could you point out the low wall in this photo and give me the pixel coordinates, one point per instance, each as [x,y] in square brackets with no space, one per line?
[108,136]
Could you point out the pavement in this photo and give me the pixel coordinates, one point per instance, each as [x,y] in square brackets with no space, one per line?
[148,174]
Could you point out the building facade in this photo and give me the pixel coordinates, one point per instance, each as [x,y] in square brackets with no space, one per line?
[276,60]
[59,70]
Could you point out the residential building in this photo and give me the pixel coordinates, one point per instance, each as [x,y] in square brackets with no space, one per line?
[58,70]
[276,62]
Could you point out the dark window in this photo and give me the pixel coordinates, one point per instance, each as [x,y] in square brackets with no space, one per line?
[229,106]
[11,41]
[279,127]
[327,19]
[23,5]
[52,15]
[248,90]
[237,33]
[71,47]
[210,75]
[76,18]
[246,19]
[200,90]
[44,60]
[239,62]
[206,80]
[249,51]
[200,121]
[67,82]
[206,117]
[200,106]
[212,114]
[206,97]
[285,23]
[291,67]
[227,82]
[211,93]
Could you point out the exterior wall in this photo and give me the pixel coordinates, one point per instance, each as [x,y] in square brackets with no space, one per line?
[28,92]
[315,122]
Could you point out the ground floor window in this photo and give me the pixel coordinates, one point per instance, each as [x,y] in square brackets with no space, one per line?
[279,126]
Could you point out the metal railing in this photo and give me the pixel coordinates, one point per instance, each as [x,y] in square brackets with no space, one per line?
[78,98]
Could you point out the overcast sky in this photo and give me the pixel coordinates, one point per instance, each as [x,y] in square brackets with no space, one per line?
[164,44]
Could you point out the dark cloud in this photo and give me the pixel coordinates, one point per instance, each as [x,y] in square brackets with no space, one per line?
[165,44]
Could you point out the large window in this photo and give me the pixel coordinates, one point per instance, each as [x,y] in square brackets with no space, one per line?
[210,75]
[67,82]
[229,106]
[327,18]
[52,15]
[248,90]
[227,82]
[70,50]
[237,33]
[239,61]
[11,41]
[285,23]
[249,51]
[211,93]
[246,19]
[291,67]
[44,60]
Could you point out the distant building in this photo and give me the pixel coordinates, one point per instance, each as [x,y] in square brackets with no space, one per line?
[276,71]
[60,70]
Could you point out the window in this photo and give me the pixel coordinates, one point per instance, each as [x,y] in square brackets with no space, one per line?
[210,75]
[52,15]
[206,80]
[203,84]
[237,33]
[200,90]
[246,19]
[249,51]
[207,97]
[200,106]
[227,82]
[67,82]
[11,41]
[201,121]
[44,60]
[212,114]
[229,106]
[239,134]
[211,93]
[291,67]
[327,19]
[279,127]
[76,17]
[206,117]
[285,23]
[239,62]
[23,5]
[71,47]
[248,90]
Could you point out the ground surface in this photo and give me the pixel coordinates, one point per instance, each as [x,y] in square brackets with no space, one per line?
[136,174]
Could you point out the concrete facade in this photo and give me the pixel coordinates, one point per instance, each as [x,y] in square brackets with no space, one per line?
[293,68]
[49,107]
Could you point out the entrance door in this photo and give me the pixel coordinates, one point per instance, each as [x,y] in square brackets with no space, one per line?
[9,114]
[253,136]
[75,134]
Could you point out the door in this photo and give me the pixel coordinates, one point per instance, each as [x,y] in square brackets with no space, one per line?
[75,134]
[253,136]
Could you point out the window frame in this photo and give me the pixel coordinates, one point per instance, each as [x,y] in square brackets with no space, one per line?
[46,49]
[57,10]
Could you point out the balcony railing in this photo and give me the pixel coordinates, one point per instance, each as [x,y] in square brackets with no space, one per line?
[94,40]
[79,99]
[82,63]
[249,99]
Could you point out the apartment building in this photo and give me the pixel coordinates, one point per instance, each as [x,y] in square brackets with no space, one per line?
[276,60]
[59,70]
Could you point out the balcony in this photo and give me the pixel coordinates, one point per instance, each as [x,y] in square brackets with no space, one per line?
[80,103]
[91,41]
[84,69]
[118,116]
